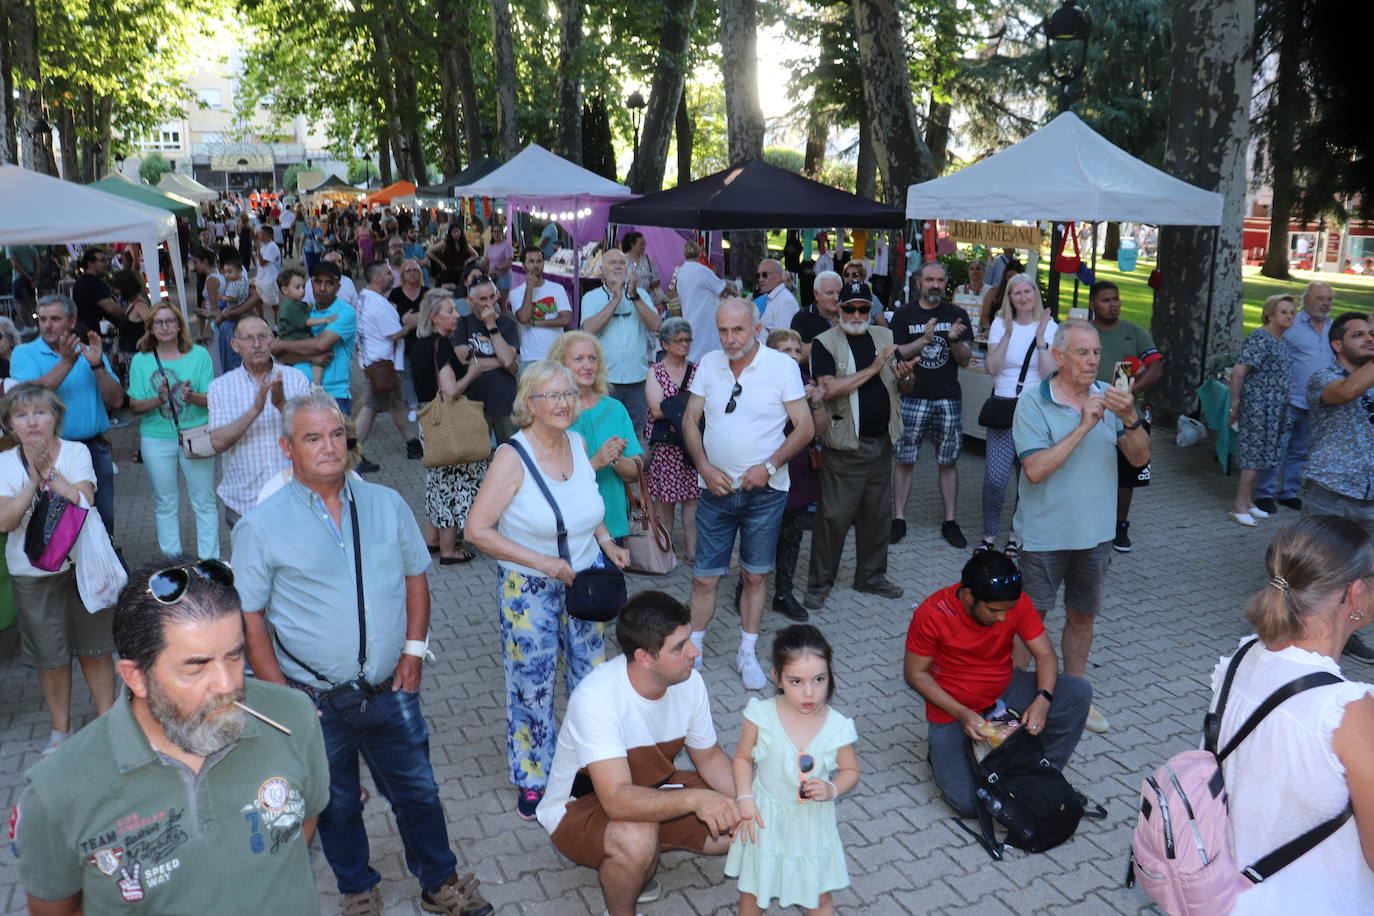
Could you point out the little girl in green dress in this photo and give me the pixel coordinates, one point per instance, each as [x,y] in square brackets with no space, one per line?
[795,757]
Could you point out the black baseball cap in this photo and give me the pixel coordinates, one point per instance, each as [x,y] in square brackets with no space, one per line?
[856,289]
[327,267]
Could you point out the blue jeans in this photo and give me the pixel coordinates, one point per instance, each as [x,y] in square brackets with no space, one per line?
[346,406]
[161,458]
[103,465]
[757,516]
[391,735]
[1295,444]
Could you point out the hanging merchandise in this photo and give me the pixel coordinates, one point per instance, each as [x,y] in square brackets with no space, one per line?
[1064,262]
[928,243]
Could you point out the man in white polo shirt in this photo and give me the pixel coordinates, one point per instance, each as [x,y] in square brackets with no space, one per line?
[615,799]
[747,394]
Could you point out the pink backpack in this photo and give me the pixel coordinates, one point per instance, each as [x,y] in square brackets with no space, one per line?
[1182,851]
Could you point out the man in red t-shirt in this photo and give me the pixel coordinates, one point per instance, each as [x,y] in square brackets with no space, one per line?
[958,657]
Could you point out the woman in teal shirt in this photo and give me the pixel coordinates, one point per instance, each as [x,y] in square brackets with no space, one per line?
[604,425]
[170,376]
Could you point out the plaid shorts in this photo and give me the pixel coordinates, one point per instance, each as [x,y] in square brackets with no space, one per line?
[918,416]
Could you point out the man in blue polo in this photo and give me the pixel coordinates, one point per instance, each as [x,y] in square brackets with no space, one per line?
[1068,430]
[81,375]
[622,317]
[336,339]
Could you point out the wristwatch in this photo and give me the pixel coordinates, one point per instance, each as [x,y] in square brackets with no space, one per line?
[1138,420]
[768,465]
[1049,697]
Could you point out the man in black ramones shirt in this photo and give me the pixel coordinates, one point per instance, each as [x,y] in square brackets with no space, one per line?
[932,335]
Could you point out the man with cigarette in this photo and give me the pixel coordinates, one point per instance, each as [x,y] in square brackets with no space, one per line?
[331,575]
[194,785]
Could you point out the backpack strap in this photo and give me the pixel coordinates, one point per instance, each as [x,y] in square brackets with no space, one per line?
[1286,692]
[1211,724]
[1296,848]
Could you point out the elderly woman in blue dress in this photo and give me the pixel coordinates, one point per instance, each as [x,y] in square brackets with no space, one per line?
[1259,403]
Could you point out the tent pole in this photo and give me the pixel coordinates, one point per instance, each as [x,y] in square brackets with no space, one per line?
[1207,328]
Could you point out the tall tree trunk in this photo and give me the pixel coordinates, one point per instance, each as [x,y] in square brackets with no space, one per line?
[866,171]
[384,69]
[902,154]
[743,116]
[937,135]
[570,80]
[450,117]
[684,140]
[1209,130]
[467,89]
[503,56]
[383,156]
[9,138]
[665,96]
[1111,246]
[66,129]
[817,136]
[35,145]
[104,135]
[1290,111]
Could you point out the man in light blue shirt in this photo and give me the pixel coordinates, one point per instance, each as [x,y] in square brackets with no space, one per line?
[623,318]
[81,375]
[331,576]
[1067,431]
[337,338]
[1307,340]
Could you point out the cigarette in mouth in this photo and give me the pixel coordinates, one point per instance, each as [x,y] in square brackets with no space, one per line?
[272,722]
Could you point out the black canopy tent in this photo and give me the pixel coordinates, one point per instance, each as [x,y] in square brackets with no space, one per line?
[465,177]
[756,195]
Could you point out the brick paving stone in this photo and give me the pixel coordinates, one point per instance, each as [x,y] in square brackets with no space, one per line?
[1173,606]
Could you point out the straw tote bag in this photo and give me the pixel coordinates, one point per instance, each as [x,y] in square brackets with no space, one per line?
[455,432]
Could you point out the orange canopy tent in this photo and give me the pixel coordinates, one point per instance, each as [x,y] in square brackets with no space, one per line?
[385,195]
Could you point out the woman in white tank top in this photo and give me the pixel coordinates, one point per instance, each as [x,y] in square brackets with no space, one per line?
[511,522]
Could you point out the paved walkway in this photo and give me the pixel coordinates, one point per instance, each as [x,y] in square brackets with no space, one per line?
[1173,606]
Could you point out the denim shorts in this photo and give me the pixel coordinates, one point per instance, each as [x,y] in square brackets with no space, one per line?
[755,514]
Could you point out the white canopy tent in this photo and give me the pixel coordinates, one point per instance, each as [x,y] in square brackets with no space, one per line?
[536,172]
[1064,171]
[42,210]
[187,187]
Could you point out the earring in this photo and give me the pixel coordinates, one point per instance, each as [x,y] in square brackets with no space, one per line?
[1358,616]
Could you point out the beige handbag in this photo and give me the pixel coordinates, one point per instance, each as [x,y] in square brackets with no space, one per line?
[650,542]
[454,432]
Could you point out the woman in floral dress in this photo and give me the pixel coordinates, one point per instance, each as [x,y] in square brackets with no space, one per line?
[1259,400]
[670,479]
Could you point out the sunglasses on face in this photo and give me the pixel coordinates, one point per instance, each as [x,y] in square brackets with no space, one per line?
[764,274]
[730,405]
[856,309]
[168,585]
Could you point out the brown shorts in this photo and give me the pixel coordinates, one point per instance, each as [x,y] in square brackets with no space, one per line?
[54,625]
[581,835]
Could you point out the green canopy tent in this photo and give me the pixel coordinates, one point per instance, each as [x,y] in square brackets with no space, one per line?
[149,196]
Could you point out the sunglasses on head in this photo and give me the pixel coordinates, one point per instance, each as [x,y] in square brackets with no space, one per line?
[168,585]
[730,404]
[852,309]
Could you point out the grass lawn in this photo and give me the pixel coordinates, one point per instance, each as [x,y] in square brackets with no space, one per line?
[1137,299]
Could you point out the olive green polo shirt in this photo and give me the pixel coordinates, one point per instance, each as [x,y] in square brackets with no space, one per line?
[135,831]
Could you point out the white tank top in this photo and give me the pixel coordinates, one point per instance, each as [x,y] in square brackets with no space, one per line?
[529,521]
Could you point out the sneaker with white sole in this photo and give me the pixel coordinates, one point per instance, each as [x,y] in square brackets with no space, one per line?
[368,903]
[748,667]
[1096,721]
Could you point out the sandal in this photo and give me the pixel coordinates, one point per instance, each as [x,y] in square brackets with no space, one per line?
[1013,550]
[464,556]
[983,545]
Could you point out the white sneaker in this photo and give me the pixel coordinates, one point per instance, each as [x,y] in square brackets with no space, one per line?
[1096,721]
[1242,518]
[748,667]
[1257,512]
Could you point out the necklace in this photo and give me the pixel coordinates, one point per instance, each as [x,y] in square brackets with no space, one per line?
[552,459]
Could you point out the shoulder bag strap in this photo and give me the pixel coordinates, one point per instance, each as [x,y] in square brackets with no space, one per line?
[1211,724]
[358,579]
[438,386]
[171,401]
[544,488]
[1025,367]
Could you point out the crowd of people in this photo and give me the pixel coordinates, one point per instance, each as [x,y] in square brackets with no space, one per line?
[760,419]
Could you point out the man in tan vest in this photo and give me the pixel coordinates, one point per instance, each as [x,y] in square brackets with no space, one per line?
[854,366]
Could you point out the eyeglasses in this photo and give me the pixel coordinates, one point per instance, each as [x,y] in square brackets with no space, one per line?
[730,405]
[805,764]
[852,309]
[254,338]
[763,274]
[168,585]
[165,323]
[556,396]
[681,340]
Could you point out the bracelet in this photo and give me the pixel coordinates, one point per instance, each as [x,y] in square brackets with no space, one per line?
[1046,694]
[834,792]
[602,541]
[742,797]
[418,648]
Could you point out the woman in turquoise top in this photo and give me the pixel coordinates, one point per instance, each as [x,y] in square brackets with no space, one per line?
[170,377]
[604,424]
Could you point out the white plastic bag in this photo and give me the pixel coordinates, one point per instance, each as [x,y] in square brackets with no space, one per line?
[1190,432]
[99,574]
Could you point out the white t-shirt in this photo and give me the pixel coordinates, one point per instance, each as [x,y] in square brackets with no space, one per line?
[529,521]
[607,718]
[752,432]
[1004,385]
[1285,779]
[288,219]
[550,301]
[699,289]
[378,318]
[267,273]
[73,463]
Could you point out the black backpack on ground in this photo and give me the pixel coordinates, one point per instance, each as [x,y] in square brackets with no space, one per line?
[1017,786]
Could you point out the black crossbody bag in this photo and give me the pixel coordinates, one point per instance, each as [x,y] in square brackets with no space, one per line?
[597,592]
[998,412]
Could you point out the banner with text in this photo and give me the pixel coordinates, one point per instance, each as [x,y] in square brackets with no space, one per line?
[994,235]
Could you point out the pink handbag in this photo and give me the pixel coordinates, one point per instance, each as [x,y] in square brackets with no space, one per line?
[650,543]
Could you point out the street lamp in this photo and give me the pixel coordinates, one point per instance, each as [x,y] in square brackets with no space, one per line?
[636,104]
[1066,54]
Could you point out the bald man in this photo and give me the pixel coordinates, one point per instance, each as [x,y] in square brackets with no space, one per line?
[778,305]
[747,394]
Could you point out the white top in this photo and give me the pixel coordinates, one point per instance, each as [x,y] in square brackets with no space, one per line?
[752,432]
[607,718]
[779,309]
[698,290]
[347,292]
[550,300]
[288,218]
[529,521]
[1284,779]
[248,463]
[73,463]
[1022,335]
[377,319]
[267,273]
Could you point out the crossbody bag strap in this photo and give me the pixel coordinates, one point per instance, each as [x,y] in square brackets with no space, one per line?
[358,579]
[544,488]
[171,401]
[1025,367]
